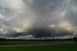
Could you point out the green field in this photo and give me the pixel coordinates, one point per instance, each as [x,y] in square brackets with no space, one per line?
[52,46]
[29,42]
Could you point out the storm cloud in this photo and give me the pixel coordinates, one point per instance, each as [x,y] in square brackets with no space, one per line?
[38,17]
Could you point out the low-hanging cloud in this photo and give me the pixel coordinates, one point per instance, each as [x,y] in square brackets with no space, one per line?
[38,17]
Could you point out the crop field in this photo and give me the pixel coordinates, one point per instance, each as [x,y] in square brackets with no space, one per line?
[38,46]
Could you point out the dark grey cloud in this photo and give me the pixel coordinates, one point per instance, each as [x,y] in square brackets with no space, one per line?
[38,17]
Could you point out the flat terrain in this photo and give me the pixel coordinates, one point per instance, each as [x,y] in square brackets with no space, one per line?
[29,42]
[40,45]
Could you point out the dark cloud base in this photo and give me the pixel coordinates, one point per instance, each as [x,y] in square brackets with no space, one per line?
[23,17]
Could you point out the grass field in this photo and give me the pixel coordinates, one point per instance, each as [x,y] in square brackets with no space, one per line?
[29,42]
[52,46]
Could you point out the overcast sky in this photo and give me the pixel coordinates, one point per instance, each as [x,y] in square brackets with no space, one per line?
[38,17]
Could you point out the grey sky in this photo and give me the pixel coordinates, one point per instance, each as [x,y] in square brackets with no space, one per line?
[38,17]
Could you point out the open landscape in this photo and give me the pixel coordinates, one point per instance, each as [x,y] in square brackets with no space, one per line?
[38,25]
[34,45]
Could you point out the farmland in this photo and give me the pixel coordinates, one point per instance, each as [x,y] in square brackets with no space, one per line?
[34,45]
